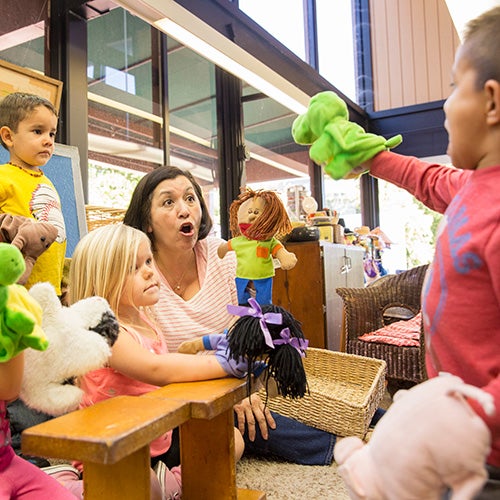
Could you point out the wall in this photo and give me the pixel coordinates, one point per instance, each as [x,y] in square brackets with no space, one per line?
[413,47]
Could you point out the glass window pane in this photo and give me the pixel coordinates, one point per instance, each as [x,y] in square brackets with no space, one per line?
[344,197]
[336,46]
[276,162]
[283,19]
[119,59]
[125,128]
[124,131]
[409,225]
[22,37]
[193,121]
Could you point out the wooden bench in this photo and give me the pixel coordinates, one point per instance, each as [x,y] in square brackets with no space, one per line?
[207,438]
[112,439]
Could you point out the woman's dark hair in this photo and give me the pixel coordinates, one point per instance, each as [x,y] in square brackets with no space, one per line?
[138,213]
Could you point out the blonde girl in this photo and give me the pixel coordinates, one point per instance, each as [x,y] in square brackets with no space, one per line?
[116,262]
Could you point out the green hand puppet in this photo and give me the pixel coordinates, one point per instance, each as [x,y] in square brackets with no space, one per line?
[337,144]
[20,314]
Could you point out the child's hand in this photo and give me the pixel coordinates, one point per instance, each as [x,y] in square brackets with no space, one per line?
[191,346]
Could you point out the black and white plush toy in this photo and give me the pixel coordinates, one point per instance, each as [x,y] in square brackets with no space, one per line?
[80,339]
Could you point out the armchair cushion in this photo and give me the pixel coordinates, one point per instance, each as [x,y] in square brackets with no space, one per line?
[402,333]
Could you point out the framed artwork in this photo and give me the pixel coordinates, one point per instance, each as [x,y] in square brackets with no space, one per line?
[14,78]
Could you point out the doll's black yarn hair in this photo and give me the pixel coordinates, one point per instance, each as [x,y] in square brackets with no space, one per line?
[270,334]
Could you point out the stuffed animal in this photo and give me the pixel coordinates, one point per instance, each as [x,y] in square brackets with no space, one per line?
[266,337]
[79,337]
[30,236]
[20,315]
[336,143]
[257,219]
[429,440]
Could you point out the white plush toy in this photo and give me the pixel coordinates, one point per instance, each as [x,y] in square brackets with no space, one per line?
[79,338]
[429,440]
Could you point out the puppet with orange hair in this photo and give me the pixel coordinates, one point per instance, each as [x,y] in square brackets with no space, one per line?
[257,219]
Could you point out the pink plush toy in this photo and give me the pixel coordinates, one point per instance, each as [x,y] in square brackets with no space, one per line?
[429,440]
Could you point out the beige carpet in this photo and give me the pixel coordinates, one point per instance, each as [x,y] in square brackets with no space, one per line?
[285,481]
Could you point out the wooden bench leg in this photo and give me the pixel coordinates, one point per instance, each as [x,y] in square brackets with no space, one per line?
[127,479]
[207,458]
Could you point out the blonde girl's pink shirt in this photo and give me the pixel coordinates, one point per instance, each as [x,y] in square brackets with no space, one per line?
[106,383]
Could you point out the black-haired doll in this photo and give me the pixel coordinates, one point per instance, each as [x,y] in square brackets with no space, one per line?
[267,335]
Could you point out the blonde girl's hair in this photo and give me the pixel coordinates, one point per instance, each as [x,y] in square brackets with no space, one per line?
[102,261]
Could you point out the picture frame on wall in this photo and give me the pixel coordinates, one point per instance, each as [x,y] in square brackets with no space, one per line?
[15,78]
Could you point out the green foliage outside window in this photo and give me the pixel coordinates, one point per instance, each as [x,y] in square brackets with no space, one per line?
[111,186]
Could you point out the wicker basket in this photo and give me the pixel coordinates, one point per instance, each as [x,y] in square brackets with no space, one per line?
[344,392]
[100,216]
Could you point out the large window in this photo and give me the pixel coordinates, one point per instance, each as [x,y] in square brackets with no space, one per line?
[124,121]
[273,160]
[193,120]
[336,51]
[125,118]
[410,225]
[283,19]
[22,38]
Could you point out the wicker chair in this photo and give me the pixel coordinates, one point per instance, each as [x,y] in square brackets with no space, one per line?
[389,299]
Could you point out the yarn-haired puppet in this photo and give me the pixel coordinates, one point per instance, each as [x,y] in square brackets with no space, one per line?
[338,145]
[257,219]
[267,337]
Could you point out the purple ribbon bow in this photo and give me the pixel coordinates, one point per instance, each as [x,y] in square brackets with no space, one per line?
[286,338]
[256,312]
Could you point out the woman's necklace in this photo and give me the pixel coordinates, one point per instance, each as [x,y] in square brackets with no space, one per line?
[33,173]
[175,284]
[177,287]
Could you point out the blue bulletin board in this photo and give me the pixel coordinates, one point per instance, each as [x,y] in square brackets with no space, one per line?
[63,169]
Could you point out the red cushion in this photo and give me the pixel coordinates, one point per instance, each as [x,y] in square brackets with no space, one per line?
[403,333]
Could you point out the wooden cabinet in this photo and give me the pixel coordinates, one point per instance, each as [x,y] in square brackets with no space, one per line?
[308,290]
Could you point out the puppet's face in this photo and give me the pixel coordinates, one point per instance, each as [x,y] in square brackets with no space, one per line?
[249,211]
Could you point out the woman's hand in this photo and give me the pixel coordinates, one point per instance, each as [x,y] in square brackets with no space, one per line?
[252,410]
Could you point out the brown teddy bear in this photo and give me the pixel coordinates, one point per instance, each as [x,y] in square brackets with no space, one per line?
[31,237]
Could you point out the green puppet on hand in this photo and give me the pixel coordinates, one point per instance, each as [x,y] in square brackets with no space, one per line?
[338,145]
[20,314]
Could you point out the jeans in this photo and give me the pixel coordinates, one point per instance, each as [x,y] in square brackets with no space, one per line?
[292,441]
[296,442]
[21,417]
